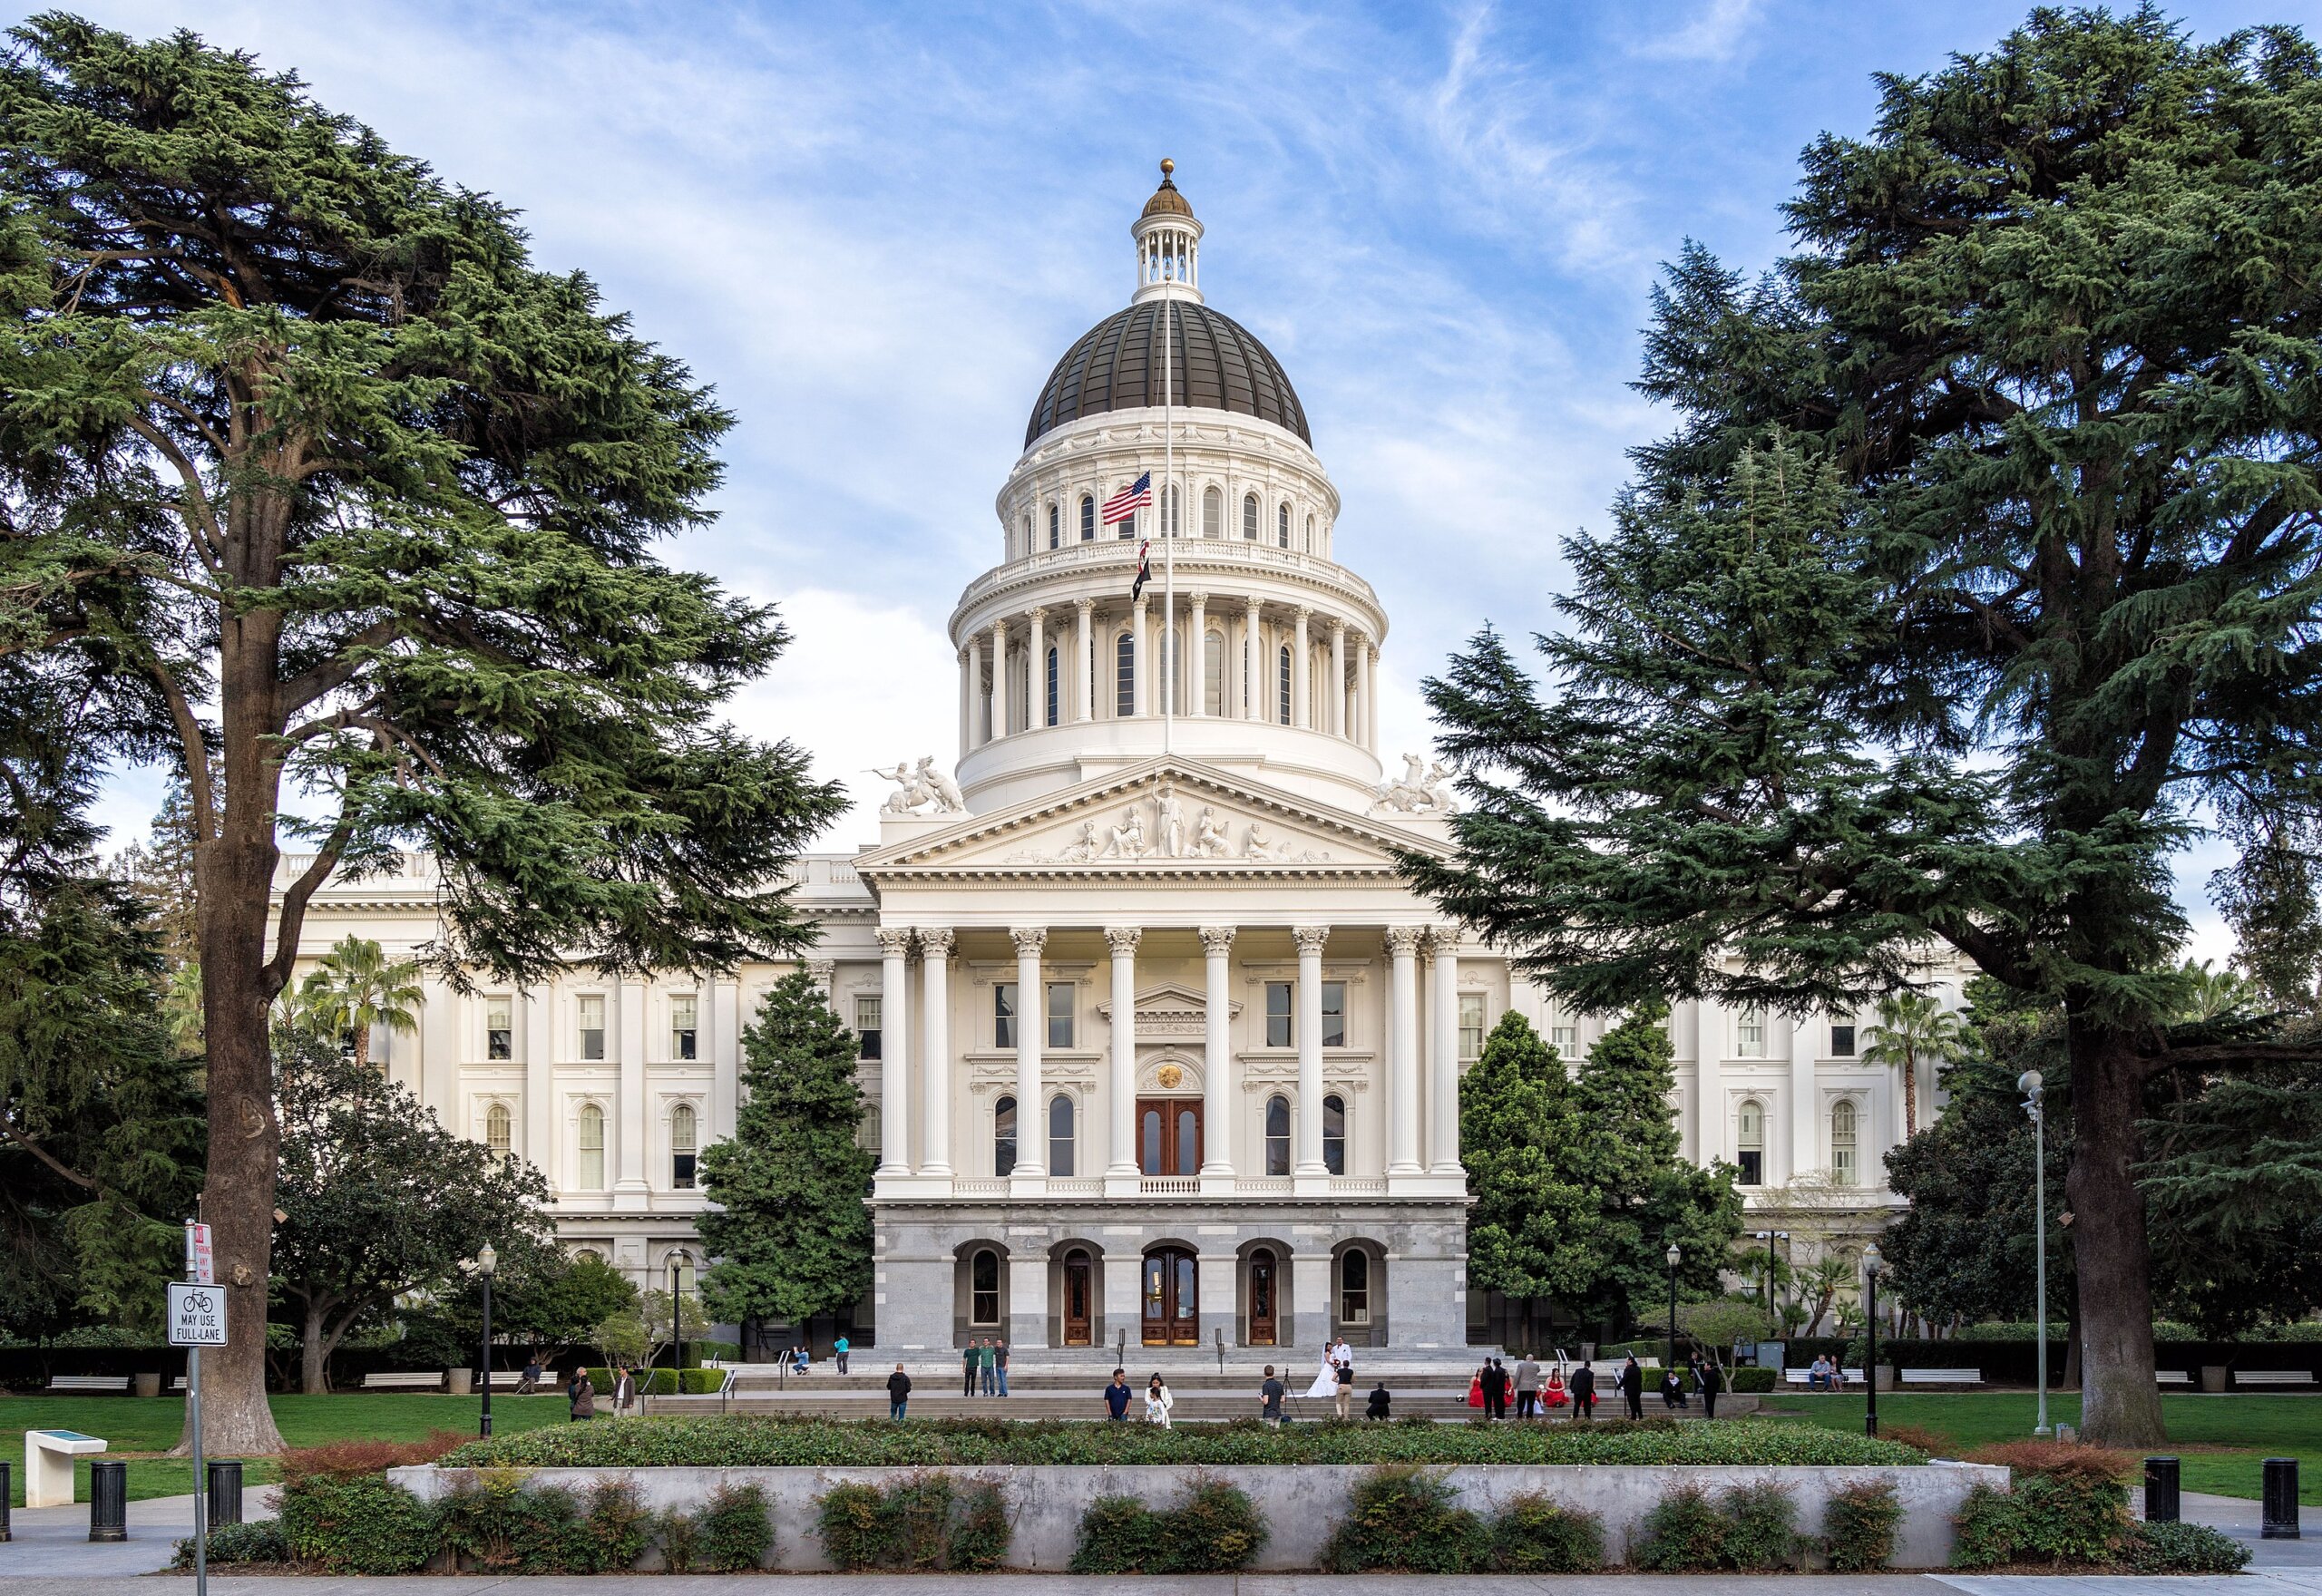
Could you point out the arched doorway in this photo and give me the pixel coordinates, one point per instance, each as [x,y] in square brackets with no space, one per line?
[1265,1298]
[1079,1298]
[1172,1315]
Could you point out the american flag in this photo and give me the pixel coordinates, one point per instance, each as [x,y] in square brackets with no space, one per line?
[1136,496]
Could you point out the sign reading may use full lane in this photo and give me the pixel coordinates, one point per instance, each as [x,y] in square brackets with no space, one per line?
[197,1315]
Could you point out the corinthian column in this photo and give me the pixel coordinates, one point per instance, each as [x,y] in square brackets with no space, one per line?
[1310,941]
[1301,712]
[895,1058]
[1253,667]
[1035,672]
[1120,1091]
[1197,669]
[1084,668]
[1218,1055]
[1141,666]
[1031,1026]
[1334,701]
[936,1054]
[998,711]
[1403,1054]
[1443,1051]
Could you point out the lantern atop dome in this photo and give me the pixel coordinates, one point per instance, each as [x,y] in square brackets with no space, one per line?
[1168,245]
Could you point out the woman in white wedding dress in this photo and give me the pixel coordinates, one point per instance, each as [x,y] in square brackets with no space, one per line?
[1326,1382]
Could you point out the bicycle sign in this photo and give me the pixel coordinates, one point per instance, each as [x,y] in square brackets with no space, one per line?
[197,1315]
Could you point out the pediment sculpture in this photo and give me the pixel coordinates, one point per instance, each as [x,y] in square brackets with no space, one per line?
[920,789]
[1158,828]
[1424,788]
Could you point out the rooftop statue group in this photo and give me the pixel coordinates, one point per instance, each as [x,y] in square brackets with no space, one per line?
[920,790]
[1422,789]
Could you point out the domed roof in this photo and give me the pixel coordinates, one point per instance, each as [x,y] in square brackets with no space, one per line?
[1117,365]
[1165,198]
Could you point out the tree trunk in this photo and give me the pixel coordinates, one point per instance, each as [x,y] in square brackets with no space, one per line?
[313,1356]
[1910,1093]
[2120,1403]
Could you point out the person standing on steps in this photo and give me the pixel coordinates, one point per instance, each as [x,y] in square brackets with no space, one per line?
[1494,1389]
[1158,1401]
[1712,1380]
[1527,1387]
[898,1392]
[1117,1396]
[1344,1394]
[1583,1392]
[1270,1394]
[999,1363]
[985,1364]
[967,1359]
[1631,1385]
[838,1352]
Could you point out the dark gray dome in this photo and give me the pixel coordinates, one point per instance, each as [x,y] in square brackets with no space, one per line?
[1117,365]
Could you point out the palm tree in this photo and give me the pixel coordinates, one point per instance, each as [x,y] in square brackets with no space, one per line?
[356,985]
[1911,1026]
[2218,994]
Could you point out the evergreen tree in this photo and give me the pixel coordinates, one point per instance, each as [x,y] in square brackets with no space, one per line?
[2031,578]
[312,476]
[790,1233]
[1516,1132]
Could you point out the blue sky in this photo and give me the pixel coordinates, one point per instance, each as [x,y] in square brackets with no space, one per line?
[875,228]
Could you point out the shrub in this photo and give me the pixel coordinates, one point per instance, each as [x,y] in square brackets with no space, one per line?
[2183,1549]
[734,1531]
[924,1521]
[494,1525]
[1918,1438]
[1762,1526]
[681,1538]
[1989,1529]
[1532,1534]
[1683,1532]
[262,1541]
[1213,1527]
[356,1525]
[1119,1535]
[917,1515]
[848,1523]
[1859,1526]
[1755,1381]
[613,1532]
[2070,1505]
[1406,1520]
[978,1543]
[347,1460]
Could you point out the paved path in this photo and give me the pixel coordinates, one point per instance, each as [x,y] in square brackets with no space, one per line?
[54,1541]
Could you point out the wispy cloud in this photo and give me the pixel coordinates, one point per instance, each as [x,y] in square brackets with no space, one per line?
[1719,31]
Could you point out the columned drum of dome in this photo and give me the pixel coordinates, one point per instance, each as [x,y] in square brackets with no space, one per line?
[1117,365]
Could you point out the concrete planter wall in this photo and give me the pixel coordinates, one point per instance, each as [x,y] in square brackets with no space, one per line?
[1302,1503]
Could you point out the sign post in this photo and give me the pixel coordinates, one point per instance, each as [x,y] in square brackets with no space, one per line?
[197,1314]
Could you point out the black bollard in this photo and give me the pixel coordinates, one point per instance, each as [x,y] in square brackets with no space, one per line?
[226,1491]
[108,1501]
[5,1532]
[2161,1490]
[2281,1499]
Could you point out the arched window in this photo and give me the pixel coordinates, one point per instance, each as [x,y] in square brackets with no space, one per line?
[1213,513]
[682,1126]
[495,1129]
[1250,517]
[1842,1148]
[1129,527]
[1750,1033]
[1049,712]
[1170,510]
[1277,1136]
[1024,547]
[1213,674]
[1354,1287]
[1283,685]
[586,1255]
[1282,525]
[1749,1141]
[591,1175]
[1060,1134]
[682,1273]
[1088,516]
[984,1288]
[1334,1134]
[1003,1137]
[1310,536]
[1124,675]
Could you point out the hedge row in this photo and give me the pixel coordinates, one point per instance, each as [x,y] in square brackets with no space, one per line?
[2068,1508]
[2013,1361]
[772,1442]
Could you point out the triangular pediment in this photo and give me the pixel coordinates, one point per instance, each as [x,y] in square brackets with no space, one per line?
[1166,816]
[1169,1010]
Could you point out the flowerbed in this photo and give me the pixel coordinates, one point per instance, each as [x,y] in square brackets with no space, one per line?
[757,1442]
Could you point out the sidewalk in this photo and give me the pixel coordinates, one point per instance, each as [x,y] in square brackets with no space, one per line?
[52,1543]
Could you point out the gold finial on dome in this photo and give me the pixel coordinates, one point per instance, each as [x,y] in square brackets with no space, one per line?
[1166,200]
[1167,166]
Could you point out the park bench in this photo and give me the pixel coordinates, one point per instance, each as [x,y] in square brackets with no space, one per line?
[1805,1377]
[2172,1377]
[1943,1376]
[380,1379]
[2272,1377]
[88,1382]
[48,1465]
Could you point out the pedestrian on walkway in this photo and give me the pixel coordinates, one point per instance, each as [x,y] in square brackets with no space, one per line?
[898,1392]
[1000,1364]
[1712,1380]
[1270,1394]
[1158,1402]
[1583,1392]
[985,1366]
[838,1352]
[582,1394]
[625,1394]
[1631,1386]
[1117,1396]
[1527,1387]
[967,1359]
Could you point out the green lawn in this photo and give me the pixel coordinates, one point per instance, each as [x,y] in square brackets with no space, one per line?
[2220,1441]
[139,1429]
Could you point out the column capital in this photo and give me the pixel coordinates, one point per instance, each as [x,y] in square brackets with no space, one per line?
[1217,939]
[1443,942]
[894,941]
[1198,600]
[935,944]
[821,971]
[1253,603]
[1403,941]
[1142,604]
[1123,939]
[1302,611]
[1309,939]
[1029,939]
[1339,629]
[1086,606]
[1039,612]
[1000,626]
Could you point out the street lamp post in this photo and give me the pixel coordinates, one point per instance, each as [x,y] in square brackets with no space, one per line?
[1774,1326]
[1674,1258]
[677,1314]
[1871,1264]
[485,1261]
[2029,1082]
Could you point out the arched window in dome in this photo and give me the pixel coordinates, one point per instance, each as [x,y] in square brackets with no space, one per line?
[1024,547]
[1129,527]
[1311,547]
[1282,526]
[1088,516]
[1124,675]
[1213,513]
[1169,510]
[1048,713]
[1283,685]
[1213,674]
[1055,526]
[1250,517]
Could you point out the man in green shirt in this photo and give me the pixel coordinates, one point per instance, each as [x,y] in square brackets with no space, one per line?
[985,1358]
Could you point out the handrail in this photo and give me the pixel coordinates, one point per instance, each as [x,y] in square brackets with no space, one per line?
[726,1388]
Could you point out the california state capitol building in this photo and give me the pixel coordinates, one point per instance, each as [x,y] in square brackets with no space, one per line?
[1159,1046]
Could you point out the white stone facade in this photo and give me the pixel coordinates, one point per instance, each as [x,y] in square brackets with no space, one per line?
[1152,928]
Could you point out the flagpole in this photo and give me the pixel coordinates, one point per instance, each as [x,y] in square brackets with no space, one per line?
[1169,505]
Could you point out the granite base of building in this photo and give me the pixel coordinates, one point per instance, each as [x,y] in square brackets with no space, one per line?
[1241,1274]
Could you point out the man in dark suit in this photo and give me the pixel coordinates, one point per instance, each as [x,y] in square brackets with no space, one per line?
[1583,1391]
[1633,1387]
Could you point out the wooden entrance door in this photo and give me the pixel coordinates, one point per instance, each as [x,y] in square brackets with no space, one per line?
[1263,1298]
[1079,1290]
[1168,1135]
[1172,1303]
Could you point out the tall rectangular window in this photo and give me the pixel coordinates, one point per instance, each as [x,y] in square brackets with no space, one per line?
[1056,533]
[1060,1014]
[683,1142]
[1278,1014]
[1049,698]
[1124,675]
[1562,1034]
[1333,1014]
[1471,1026]
[1750,1033]
[499,1028]
[866,1026]
[1842,1041]
[592,1026]
[685,1032]
[1003,1014]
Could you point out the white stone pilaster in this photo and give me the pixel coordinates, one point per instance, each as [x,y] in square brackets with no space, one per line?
[935,1055]
[1309,1167]
[1197,665]
[999,679]
[1334,701]
[894,1055]
[540,1083]
[1443,1052]
[1031,1031]
[1805,1127]
[967,701]
[1084,665]
[1217,1058]
[1709,1081]
[1370,696]
[1141,665]
[1121,1153]
[633,1129]
[1036,674]
[1255,674]
[1403,1054]
[1301,708]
